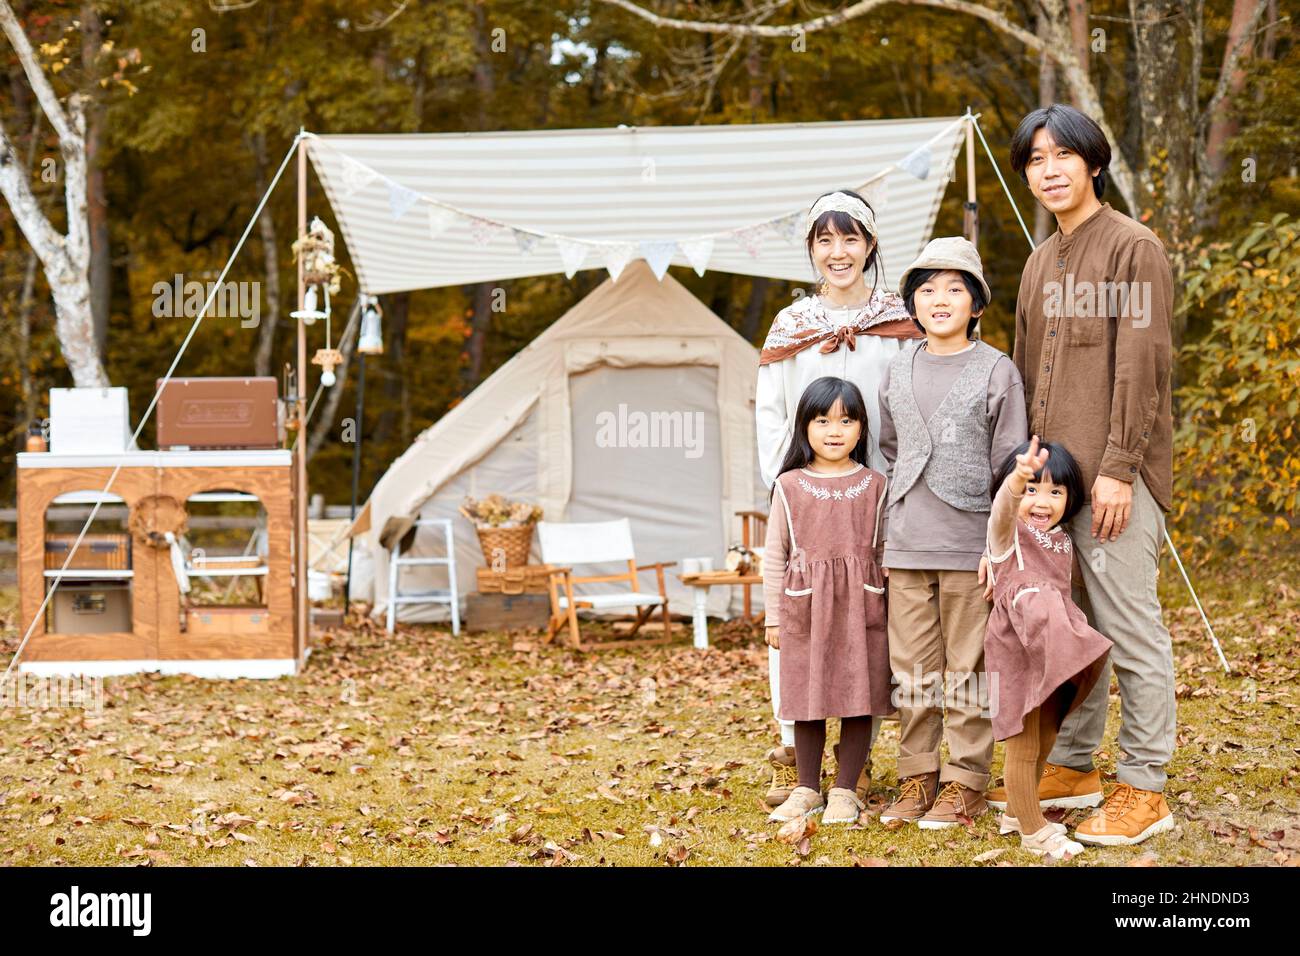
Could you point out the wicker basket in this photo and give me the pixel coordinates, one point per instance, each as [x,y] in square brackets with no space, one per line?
[514,542]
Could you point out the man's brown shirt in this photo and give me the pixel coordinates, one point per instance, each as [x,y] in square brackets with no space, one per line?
[1093,345]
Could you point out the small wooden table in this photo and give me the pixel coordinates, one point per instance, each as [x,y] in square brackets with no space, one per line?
[701,582]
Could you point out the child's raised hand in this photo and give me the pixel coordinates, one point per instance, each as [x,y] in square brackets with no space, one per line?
[1031,462]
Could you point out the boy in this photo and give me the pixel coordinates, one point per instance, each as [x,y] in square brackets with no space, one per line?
[951,408]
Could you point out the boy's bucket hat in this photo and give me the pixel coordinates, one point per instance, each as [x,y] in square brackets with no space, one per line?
[950,252]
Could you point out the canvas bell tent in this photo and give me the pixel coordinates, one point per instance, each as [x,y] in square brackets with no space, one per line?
[637,403]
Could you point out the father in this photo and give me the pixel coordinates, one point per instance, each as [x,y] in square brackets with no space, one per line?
[1093,346]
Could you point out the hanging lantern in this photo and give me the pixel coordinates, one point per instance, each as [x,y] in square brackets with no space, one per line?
[371,341]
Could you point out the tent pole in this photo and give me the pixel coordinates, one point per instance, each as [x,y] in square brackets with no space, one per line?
[356,470]
[971,219]
[300,458]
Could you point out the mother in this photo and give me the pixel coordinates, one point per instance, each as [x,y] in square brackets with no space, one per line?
[856,329]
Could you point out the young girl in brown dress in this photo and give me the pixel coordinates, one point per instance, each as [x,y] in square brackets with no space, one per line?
[825,594]
[1041,655]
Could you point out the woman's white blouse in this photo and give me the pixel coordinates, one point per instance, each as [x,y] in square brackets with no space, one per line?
[781,383]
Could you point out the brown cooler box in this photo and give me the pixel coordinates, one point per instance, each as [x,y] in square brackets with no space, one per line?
[212,413]
[85,607]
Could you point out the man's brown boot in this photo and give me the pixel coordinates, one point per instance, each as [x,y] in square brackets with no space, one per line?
[1128,817]
[915,798]
[1059,788]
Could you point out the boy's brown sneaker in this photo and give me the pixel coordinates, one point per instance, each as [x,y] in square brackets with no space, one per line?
[863,786]
[954,802]
[1128,816]
[785,777]
[1058,788]
[915,798]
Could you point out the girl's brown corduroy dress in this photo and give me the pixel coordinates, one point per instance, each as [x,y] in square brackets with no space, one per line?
[834,652]
[1037,640]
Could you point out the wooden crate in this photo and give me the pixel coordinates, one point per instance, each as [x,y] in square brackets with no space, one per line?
[526,579]
[97,552]
[505,612]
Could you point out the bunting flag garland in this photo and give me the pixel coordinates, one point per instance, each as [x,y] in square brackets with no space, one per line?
[697,252]
[751,238]
[401,199]
[482,230]
[658,253]
[526,241]
[917,162]
[617,255]
[572,254]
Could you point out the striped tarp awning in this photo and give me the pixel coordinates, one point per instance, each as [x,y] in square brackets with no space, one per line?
[402,200]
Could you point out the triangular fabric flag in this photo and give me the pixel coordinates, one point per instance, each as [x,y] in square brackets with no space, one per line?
[876,193]
[526,241]
[917,162]
[658,253]
[697,252]
[791,227]
[400,199]
[751,238]
[616,256]
[572,254]
[482,230]
[440,220]
[356,175]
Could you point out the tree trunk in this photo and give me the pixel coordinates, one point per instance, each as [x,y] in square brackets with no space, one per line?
[101,262]
[397,313]
[1223,125]
[270,263]
[329,409]
[753,317]
[481,320]
[1044,221]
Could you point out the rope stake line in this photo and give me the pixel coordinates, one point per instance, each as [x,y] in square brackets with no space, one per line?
[1168,540]
[153,402]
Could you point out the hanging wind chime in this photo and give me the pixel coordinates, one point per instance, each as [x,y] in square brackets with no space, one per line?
[320,272]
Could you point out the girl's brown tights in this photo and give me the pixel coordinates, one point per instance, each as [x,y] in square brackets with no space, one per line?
[1026,753]
[810,741]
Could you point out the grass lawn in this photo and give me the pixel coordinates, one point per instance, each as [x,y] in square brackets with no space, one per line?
[429,749]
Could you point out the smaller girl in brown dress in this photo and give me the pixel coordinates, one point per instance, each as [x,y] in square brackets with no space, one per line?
[825,594]
[1041,656]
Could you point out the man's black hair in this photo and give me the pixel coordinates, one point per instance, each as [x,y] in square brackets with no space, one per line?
[1076,131]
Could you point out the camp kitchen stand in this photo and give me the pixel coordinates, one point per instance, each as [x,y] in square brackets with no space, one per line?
[164,635]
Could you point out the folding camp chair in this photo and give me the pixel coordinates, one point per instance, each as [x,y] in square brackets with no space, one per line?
[566,544]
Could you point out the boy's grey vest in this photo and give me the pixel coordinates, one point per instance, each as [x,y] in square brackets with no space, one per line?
[952,449]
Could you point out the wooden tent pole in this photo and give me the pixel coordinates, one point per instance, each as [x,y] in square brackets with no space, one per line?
[971,219]
[300,446]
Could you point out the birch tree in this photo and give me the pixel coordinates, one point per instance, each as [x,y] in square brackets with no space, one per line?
[64,257]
